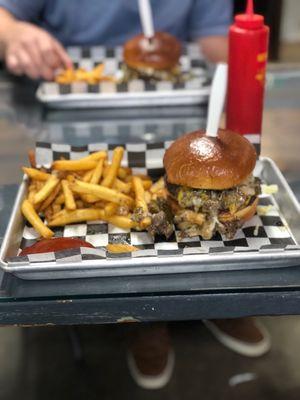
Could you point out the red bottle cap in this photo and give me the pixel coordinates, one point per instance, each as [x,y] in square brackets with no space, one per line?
[249,20]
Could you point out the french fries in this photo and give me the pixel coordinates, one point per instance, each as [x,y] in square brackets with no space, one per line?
[102,192]
[139,194]
[120,248]
[74,165]
[87,189]
[45,191]
[97,172]
[114,167]
[66,217]
[31,216]
[69,197]
[96,75]
[110,209]
[34,173]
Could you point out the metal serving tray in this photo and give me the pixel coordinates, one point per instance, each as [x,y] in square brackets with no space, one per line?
[135,93]
[272,256]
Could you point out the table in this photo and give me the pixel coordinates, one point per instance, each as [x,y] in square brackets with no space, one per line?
[141,298]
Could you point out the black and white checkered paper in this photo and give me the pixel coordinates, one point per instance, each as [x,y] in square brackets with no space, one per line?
[265,232]
[191,62]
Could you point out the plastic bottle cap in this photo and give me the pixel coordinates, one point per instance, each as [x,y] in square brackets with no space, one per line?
[249,20]
[254,21]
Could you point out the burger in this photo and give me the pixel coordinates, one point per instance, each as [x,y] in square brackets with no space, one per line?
[155,58]
[210,183]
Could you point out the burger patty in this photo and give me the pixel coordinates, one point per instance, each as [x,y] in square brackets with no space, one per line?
[150,74]
[209,204]
[204,200]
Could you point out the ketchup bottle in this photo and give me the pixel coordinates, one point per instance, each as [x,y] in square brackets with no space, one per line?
[248,53]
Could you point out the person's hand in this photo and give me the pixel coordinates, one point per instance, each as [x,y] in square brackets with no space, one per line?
[32,51]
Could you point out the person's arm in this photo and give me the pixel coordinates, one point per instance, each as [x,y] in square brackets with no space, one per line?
[208,25]
[214,48]
[29,50]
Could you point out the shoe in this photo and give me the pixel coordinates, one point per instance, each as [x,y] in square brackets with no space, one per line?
[245,336]
[151,358]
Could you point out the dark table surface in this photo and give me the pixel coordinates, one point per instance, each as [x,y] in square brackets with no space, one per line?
[142,298]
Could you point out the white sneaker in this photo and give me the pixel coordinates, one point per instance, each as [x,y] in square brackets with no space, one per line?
[245,336]
[151,381]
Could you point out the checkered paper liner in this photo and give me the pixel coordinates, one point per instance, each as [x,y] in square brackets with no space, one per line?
[265,232]
[191,62]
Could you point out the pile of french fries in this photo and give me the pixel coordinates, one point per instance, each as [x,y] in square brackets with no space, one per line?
[96,75]
[88,189]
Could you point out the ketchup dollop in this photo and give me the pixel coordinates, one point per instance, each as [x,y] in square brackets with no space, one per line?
[55,244]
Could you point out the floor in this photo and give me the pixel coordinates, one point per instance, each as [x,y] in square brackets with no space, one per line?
[38,363]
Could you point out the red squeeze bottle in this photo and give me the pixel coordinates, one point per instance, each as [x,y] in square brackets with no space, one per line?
[248,53]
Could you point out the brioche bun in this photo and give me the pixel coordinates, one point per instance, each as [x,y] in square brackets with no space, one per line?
[199,161]
[161,54]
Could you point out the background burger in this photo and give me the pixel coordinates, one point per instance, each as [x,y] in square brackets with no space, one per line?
[157,58]
[210,183]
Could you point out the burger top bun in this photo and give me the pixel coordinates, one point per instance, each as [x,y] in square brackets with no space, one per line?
[204,162]
[161,54]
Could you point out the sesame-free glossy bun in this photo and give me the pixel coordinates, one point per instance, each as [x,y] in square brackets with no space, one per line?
[203,162]
[161,54]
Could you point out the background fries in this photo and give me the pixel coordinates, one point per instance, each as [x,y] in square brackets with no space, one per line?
[91,188]
[96,75]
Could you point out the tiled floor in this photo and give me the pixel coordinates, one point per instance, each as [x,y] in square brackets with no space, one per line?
[38,363]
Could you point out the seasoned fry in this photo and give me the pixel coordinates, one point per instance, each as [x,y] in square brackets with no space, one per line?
[56,208]
[113,169]
[147,184]
[123,172]
[103,193]
[96,75]
[100,204]
[68,217]
[31,158]
[158,185]
[36,174]
[138,188]
[97,155]
[122,186]
[145,222]
[85,163]
[31,194]
[45,191]
[147,197]
[46,203]
[97,172]
[120,248]
[110,209]
[69,198]
[31,216]
[60,199]
[74,165]
[120,221]
[88,175]
[79,204]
